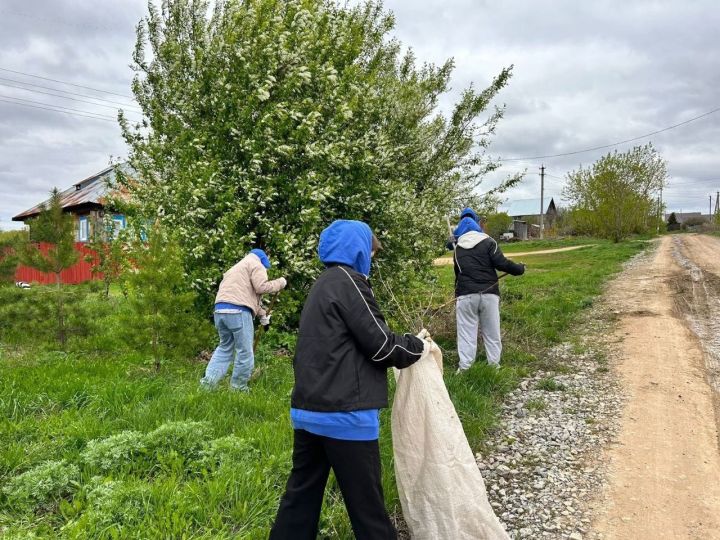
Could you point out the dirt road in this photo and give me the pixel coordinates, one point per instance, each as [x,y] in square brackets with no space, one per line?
[664,473]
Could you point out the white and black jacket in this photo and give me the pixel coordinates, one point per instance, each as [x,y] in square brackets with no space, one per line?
[345,347]
[477,257]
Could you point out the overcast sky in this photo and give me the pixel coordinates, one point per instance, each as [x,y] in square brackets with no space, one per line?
[586,74]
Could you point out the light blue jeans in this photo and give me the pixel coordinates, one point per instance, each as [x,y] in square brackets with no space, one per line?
[236,342]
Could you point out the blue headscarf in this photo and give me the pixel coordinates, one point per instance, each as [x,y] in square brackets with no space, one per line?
[469,212]
[466,225]
[347,242]
[262,256]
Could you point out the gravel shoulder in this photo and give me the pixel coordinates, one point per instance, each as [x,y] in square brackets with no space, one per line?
[617,437]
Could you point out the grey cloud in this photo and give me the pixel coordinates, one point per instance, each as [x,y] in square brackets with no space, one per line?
[586,74]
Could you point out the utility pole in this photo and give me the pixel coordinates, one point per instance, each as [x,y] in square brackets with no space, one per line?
[717,202]
[710,208]
[542,199]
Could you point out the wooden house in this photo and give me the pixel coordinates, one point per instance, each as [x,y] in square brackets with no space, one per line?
[86,200]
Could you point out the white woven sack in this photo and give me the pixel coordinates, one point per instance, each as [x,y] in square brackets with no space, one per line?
[441,490]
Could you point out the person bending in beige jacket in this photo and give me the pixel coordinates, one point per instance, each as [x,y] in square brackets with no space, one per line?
[237,302]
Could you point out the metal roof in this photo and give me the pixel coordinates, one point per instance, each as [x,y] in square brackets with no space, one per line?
[88,192]
[526,207]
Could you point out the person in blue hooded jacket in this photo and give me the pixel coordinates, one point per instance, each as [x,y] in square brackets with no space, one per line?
[343,351]
[239,300]
[466,213]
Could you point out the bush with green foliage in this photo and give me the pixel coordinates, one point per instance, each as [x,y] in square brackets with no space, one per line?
[114,507]
[115,452]
[617,195]
[230,451]
[42,488]
[9,242]
[496,224]
[267,120]
[25,317]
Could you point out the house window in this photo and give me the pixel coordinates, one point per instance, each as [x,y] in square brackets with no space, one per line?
[118,224]
[83,229]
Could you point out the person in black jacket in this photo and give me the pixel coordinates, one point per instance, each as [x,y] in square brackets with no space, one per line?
[476,258]
[343,351]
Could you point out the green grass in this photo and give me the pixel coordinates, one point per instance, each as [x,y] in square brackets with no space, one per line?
[221,471]
[536,404]
[550,385]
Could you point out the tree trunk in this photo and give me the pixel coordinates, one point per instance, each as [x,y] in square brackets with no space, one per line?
[62,337]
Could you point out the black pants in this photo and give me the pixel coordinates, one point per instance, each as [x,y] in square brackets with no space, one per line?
[356,465]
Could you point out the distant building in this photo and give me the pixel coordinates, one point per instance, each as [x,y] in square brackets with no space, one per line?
[86,200]
[682,217]
[526,213]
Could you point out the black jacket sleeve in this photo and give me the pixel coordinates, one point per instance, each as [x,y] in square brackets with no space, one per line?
[367,325]
[501,263]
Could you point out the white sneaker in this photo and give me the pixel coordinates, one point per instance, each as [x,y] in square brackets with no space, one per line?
[460,371]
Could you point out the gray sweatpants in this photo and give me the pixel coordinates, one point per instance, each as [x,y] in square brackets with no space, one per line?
[471,310]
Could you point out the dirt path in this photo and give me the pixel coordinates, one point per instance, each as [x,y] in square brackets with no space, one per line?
[444,261]
[664,473]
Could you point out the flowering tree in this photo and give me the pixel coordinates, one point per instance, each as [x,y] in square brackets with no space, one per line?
[266,119]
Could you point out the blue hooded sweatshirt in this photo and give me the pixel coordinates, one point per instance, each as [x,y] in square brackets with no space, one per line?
[466,224]
[347,242]
[469,212]
[350,243]
[262,256]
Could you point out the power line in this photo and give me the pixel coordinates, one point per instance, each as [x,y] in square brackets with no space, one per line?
[15,81]
[65,82]
[64,97]
[85,114]
[53,105]
[616,143]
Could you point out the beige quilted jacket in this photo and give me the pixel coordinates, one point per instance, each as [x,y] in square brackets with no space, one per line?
[246,282]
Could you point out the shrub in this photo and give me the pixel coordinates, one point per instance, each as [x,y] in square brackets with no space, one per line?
[114,452]
[186,438]
[227,451]
[42,487]
[497,224]
[114,506]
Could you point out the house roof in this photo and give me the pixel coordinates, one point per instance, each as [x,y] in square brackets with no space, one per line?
[526,207]
[682,217]
[88,192]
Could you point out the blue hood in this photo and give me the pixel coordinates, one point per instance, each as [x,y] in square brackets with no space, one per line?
[468,212]
[347,242]
[466,225]
[262,256]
